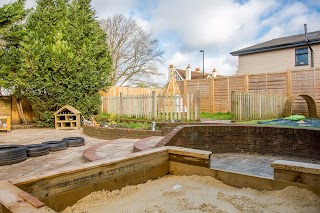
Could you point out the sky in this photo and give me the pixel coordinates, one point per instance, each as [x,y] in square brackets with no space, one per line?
[184,27]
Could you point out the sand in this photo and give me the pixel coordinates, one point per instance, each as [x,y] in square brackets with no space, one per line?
[196,194]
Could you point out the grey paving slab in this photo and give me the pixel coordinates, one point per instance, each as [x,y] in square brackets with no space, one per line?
[252,164]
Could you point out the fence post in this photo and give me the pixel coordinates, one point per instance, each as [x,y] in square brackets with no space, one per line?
[102,103]
[233,106]
[246,82]
[121,104]
[289,85]
[154,105]
[197,106]
[229,107]
[212,94]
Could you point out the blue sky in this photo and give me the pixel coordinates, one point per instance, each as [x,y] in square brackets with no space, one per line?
[184,27]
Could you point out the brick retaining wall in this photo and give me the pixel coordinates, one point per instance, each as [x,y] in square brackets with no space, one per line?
[252,139]
[115,133]
[165,127]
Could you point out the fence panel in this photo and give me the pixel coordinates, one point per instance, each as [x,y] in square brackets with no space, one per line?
[157,107]
[115,91]
[253,106]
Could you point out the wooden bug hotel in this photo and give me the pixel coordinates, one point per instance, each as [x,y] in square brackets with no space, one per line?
[67,117]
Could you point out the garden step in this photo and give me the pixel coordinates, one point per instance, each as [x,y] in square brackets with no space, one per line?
[110,149]
[146,143]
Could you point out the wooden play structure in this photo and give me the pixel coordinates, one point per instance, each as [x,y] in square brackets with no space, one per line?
[5,124]
[172,86]
[67,117]
[312,107]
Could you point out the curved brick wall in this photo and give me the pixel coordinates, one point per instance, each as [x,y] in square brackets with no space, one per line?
[253,139]
[110,133]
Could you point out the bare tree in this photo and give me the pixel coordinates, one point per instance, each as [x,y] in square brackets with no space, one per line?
[134,53]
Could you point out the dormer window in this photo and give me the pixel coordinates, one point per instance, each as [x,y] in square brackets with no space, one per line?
[302,56]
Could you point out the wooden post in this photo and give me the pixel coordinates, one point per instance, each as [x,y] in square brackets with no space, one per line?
[228,107]
[8,123]
[266,82]
[197,107]
[289,85]
[212,95]
[233,107]
[102,104]
[154,105]
[185,87]
[121,104]
[246,82]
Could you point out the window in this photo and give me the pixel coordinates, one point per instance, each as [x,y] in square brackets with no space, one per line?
[302,56]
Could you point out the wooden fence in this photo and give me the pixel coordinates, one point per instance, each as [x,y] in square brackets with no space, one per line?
[215,93]
[252,106]
[115,91]
[157,107]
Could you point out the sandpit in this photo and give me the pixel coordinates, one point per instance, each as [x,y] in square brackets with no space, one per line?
[196,194]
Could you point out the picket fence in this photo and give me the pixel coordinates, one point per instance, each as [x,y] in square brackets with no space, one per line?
[157,107]
[253,106]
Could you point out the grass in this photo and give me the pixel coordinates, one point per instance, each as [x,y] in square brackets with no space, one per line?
[216,116]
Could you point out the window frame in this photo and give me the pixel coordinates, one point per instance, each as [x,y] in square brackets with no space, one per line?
[296,54]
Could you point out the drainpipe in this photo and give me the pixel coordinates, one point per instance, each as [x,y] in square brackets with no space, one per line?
[307,41]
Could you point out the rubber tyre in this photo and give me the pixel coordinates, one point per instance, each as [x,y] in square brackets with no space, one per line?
[10,154]
[74,141]
[56,145]
[35,150]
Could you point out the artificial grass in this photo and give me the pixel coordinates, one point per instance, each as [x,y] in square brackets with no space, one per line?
[216,116]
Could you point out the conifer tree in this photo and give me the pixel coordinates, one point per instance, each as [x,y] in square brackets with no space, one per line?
[11,33]
[65,58]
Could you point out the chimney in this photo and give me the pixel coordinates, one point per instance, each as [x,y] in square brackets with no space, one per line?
[214,73]
[170,71]
[188,72]
[197,69]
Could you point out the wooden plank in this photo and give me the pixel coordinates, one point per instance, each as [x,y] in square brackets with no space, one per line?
[9,197]
[289,85]
[297,177]
[296,166]
[66,182]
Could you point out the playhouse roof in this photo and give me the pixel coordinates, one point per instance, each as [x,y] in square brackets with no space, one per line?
[67,108]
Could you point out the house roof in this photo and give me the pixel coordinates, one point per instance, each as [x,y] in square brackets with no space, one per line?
[194,74]
[67,109]
[280,43]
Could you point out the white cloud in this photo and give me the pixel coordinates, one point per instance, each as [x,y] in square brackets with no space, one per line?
[183,27]
[220,27]
[208,22]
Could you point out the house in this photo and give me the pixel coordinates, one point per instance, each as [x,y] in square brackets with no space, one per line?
[187,74]
[280,54]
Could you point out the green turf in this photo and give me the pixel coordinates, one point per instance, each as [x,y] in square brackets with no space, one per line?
[216,116]
[253,121]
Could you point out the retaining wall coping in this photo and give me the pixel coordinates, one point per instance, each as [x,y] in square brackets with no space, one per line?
[296,166]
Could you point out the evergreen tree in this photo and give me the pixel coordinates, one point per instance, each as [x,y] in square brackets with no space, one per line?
[65,58]
[11,33]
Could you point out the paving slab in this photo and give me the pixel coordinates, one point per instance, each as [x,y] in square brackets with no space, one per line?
[72,156]
[252,164]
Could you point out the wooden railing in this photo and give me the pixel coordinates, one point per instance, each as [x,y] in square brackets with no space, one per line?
[156,107]
[253,106]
